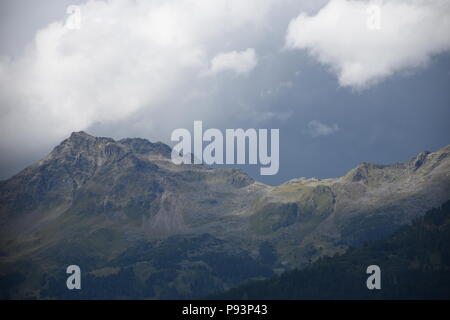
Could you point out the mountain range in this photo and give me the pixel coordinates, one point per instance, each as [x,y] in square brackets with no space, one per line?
[414,263]
[140,226]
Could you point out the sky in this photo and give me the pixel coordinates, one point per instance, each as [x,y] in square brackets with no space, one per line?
[345,81]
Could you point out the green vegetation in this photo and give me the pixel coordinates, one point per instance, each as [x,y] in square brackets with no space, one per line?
[274,216]
[414,262]
[179,267]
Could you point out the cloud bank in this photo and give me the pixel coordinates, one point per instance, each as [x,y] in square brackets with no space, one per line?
[364,42]
[106,61]
[137,68]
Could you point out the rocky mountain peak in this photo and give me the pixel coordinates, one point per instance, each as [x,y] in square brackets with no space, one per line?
[81,141]
[82,144]
[80,135]
[143,146]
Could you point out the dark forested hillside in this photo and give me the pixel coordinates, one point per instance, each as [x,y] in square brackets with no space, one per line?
[414,262]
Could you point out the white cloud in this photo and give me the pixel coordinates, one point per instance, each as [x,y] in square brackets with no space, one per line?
[240,62]
[132,68]
[317,129]
[125,56]
[340,36]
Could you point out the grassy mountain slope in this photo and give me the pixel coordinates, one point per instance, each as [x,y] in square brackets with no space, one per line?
[414,262]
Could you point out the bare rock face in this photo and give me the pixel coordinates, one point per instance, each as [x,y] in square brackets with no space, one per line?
[122,208]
